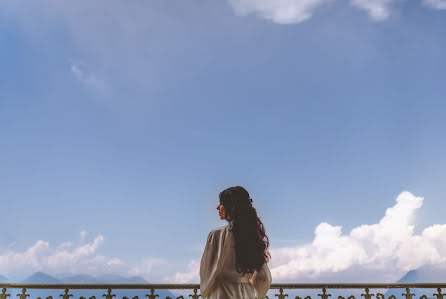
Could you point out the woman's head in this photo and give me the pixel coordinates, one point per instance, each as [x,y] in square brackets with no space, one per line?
[233,201]
[251,242]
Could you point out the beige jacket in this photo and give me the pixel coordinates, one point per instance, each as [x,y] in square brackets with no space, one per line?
[218,276]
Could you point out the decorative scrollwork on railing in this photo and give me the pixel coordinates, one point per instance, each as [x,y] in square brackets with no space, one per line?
[23,295]
[324,294]
[439,295]
[195,295]
[369,291]
[340,297]
[152,294]
[109,295]
[3,295]
[281,295]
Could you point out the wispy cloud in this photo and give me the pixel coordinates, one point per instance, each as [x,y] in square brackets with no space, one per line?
[83,235]
[436,4]
[378,10]
[297,11]
[190,275]
[82,74]
[70,259]
[146,266]
[278,11]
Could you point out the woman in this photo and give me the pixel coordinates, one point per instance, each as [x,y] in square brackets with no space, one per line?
[234,262]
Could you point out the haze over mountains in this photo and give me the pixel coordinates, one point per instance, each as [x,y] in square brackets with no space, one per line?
[423,274]
[43,278]
[40,277]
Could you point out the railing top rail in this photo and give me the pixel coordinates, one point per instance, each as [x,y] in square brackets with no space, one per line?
[197,286]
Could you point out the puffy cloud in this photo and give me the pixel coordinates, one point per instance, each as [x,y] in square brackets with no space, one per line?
[389,246]
[278,11]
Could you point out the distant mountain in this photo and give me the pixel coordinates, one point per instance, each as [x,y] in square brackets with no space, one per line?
[412,276]
[43,278]
[40,277]
[3,278]
[424,274]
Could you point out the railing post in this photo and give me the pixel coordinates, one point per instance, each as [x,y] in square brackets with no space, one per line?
[109,295]
[439,295]
[324,294]
[195,296]
[281,295]
[152,295]
[65,296]
[408,295]
[3,295]
[367,295]
[23,295]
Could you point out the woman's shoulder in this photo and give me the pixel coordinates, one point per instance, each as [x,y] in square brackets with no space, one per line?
[220,229]
[219,232]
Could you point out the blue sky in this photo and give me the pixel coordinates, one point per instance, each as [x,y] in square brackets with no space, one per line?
[121,122]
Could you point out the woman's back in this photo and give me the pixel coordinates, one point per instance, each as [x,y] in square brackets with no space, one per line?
[219,277]
[234,262]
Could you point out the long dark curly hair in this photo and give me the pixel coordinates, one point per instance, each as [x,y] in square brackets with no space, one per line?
[251,241]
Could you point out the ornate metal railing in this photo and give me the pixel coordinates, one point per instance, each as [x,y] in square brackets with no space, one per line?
[280,290]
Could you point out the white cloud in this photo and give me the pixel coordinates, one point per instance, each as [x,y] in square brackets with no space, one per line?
[378,252]
[436,4]
[146,266]
[69,259]
[278,11]
[81,73]
[369,253]
[83,234]
[389,246]
[297,11]
[191,275]
[378,10]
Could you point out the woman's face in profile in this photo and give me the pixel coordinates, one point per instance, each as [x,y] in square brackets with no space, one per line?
[221,211]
